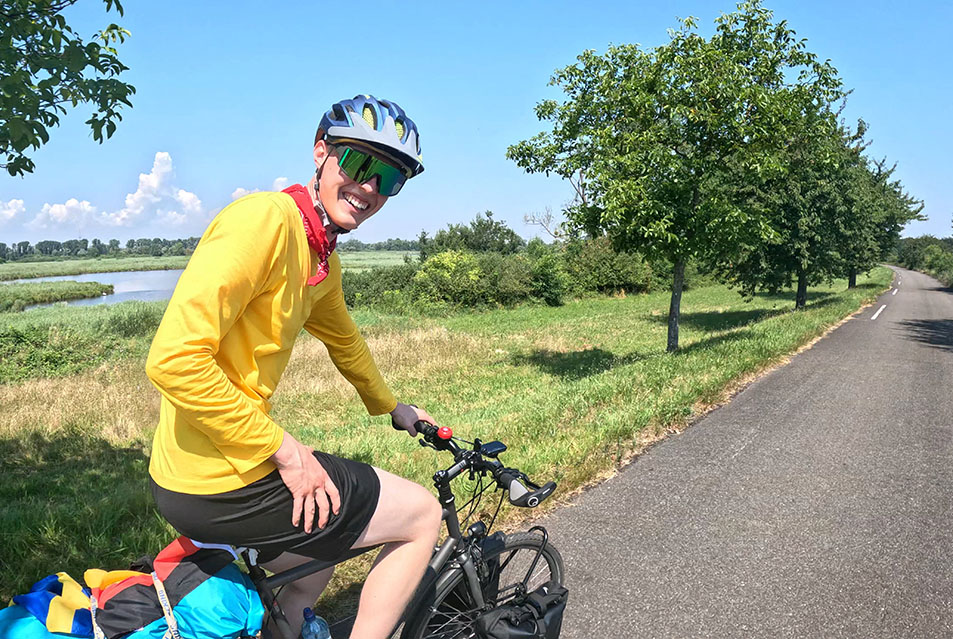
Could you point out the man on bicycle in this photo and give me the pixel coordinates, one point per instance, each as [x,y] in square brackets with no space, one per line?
[221,470]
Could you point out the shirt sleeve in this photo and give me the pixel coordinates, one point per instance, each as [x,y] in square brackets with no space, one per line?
[233,262]
[332,324]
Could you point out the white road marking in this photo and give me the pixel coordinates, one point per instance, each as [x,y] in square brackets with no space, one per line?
[894,291]
[879,311]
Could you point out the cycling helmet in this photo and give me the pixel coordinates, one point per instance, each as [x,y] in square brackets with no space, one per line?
[380,124]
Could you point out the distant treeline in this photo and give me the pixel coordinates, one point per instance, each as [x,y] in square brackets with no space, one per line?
[78,249]
[83,248]
[929,254]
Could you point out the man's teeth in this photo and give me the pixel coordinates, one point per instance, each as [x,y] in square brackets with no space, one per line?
[360,205]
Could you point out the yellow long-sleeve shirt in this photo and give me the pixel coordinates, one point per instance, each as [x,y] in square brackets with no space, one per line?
[226,338]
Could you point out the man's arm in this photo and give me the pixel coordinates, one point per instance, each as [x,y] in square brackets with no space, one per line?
[331,323]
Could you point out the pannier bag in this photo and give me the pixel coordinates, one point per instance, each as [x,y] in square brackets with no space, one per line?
[539,615]
[190,591]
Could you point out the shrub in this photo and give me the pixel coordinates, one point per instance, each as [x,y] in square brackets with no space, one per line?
[376,286]
[594,265]
[550,281]
[450,276]
[505,280]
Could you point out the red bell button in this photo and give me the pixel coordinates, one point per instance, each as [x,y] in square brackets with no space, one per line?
[444,432]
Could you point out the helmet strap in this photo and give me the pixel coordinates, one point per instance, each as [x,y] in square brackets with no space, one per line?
[330,226]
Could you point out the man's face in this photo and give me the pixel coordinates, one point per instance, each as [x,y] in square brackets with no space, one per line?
[346,202]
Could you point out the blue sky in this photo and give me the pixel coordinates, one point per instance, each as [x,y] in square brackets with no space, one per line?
[229,95]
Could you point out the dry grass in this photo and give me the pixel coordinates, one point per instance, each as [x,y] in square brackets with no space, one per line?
[116,400]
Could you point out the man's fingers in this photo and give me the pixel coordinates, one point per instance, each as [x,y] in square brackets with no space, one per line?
[333,495]
[308,512]
[321,498]
[296,511]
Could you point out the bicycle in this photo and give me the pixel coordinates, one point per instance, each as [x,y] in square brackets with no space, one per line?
[469,573]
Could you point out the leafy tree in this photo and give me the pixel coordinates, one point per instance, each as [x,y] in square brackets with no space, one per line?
[482,235]
[808,209]
[45,66]
[663,137]
[113,246]
[48,247]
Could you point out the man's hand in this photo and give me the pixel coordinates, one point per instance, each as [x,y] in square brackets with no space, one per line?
[308,482]
[405,416]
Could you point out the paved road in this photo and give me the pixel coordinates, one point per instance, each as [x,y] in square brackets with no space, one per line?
[816,504]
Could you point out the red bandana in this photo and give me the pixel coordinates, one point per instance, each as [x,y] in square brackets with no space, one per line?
[314,229]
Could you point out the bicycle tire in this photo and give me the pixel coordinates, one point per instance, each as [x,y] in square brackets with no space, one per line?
[450,613]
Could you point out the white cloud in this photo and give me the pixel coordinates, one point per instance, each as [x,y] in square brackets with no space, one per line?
[190,201]
[72,213]
[240,192]
[10,210]
[172,218]
[278,184]
[157,198]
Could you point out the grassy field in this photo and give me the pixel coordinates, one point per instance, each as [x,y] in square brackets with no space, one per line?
[22,270]
[572,391]
[14,297]
[366,260]
[356,260]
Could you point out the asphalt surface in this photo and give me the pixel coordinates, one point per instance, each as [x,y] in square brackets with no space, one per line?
[816,504]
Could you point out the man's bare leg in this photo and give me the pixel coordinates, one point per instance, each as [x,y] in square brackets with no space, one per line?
[407,521]
[299,594]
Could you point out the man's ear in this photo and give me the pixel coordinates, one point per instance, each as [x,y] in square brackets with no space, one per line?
[321,151]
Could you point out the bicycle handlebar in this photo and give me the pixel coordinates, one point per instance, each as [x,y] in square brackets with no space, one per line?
[522,492]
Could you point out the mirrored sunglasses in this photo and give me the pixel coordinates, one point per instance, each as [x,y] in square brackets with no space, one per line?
[361,167]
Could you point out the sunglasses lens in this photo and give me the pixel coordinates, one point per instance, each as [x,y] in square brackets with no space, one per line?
[361,167]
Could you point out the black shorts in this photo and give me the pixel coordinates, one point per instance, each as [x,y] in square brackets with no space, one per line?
[259,515]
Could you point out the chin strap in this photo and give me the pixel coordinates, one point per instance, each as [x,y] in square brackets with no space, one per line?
[330,227]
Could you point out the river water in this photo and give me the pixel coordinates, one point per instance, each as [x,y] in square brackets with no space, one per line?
[146,286]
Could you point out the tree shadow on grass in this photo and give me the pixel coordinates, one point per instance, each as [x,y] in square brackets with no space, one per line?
[727,320]
[933,333]
[72,501]
[575,365]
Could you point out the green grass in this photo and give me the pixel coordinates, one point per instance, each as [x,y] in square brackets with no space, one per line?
[15,297]
[22,270]
[571,390]
[62,340]
[366,260]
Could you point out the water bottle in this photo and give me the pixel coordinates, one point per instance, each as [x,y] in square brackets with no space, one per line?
[314,627]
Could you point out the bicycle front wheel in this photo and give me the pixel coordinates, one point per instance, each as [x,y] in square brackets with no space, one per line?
[451,611]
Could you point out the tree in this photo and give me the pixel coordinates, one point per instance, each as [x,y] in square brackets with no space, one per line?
[46,66]
[482,235]
[658,140]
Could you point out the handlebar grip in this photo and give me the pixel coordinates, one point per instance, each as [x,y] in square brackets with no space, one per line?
[522,496]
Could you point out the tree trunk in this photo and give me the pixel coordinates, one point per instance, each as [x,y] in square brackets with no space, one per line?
[678,280]
[801,300]
[852,278]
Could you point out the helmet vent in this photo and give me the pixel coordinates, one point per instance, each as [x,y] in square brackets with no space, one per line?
[399,125]
[369,116]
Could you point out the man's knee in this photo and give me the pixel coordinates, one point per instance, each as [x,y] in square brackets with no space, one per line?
[424,511]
